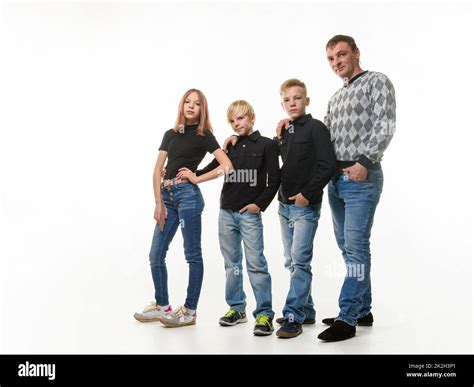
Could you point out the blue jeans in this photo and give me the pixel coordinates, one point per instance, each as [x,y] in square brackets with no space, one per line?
[233,229]
[353,207]
[298,228]
[185,204]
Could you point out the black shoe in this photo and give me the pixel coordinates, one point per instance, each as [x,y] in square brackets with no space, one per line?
[290,329]
[307,321]
[366,321]
[338,331]
[263,326]
[232,317]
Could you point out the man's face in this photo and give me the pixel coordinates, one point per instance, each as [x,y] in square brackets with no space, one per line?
[294,101]
[343,61]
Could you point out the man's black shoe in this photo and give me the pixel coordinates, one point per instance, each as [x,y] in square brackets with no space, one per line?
[338,331]
[366,321]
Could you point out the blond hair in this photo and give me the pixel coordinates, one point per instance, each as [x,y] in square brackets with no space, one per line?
[292,83]
[240,108]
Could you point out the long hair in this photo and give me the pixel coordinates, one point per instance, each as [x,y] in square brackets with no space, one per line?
[204,121]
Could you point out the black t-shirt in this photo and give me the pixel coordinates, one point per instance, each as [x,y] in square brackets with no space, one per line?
[186,149]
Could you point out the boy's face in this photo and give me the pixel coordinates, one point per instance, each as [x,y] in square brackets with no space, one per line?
[242,124]
[192,108]
[294,102]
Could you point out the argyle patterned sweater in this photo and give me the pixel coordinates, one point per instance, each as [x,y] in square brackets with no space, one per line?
[361,119]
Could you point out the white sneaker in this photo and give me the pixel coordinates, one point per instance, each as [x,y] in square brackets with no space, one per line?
[152,312]
[179,318]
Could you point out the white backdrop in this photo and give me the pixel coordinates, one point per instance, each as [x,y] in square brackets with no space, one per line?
[87,91]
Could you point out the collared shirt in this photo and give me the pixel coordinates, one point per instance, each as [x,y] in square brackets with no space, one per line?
[361,119]
[308,160]
[256,175]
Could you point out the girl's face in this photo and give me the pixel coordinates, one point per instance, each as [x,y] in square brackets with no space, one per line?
[192,108]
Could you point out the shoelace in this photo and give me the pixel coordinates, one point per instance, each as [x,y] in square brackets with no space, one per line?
[180,312]
[263,320]
[230,313]
[152,306]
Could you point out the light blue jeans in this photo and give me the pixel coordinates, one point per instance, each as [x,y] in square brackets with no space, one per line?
[353,207]
[235,228]
[298,228]
[185,204]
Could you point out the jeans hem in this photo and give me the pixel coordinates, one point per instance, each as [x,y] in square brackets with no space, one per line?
[350,322]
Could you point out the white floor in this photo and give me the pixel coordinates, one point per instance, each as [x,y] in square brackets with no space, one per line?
[89,309]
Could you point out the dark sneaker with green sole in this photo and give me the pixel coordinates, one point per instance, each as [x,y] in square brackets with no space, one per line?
[232,317]
[263,326]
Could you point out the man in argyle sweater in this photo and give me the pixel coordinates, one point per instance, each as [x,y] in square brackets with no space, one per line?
[361,120]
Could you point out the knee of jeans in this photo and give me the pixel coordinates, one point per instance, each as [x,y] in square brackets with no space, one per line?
[356,244]
[233,270]
[194,256]
[257,266]
[357,253]
[156,260]
[303,264]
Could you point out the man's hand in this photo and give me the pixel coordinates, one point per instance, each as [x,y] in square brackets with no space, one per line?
[282,124]
[229,140]
[300,200]
[187,174]
[356,172]
[253,208]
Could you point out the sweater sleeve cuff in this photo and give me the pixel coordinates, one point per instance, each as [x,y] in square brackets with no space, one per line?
[366,162]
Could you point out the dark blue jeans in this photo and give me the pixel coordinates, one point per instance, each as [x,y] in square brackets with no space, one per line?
[353,207]
[185,204]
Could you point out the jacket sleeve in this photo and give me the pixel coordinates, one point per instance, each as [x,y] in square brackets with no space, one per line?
[209,167]
[325,163]
[272,176]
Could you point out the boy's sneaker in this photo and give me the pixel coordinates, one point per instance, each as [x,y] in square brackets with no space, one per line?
[290,329]
[233,317]
[263,326]
[307,321]
[181,317]
[152,312]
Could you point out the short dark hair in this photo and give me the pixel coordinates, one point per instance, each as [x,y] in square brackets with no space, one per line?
[342,38]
